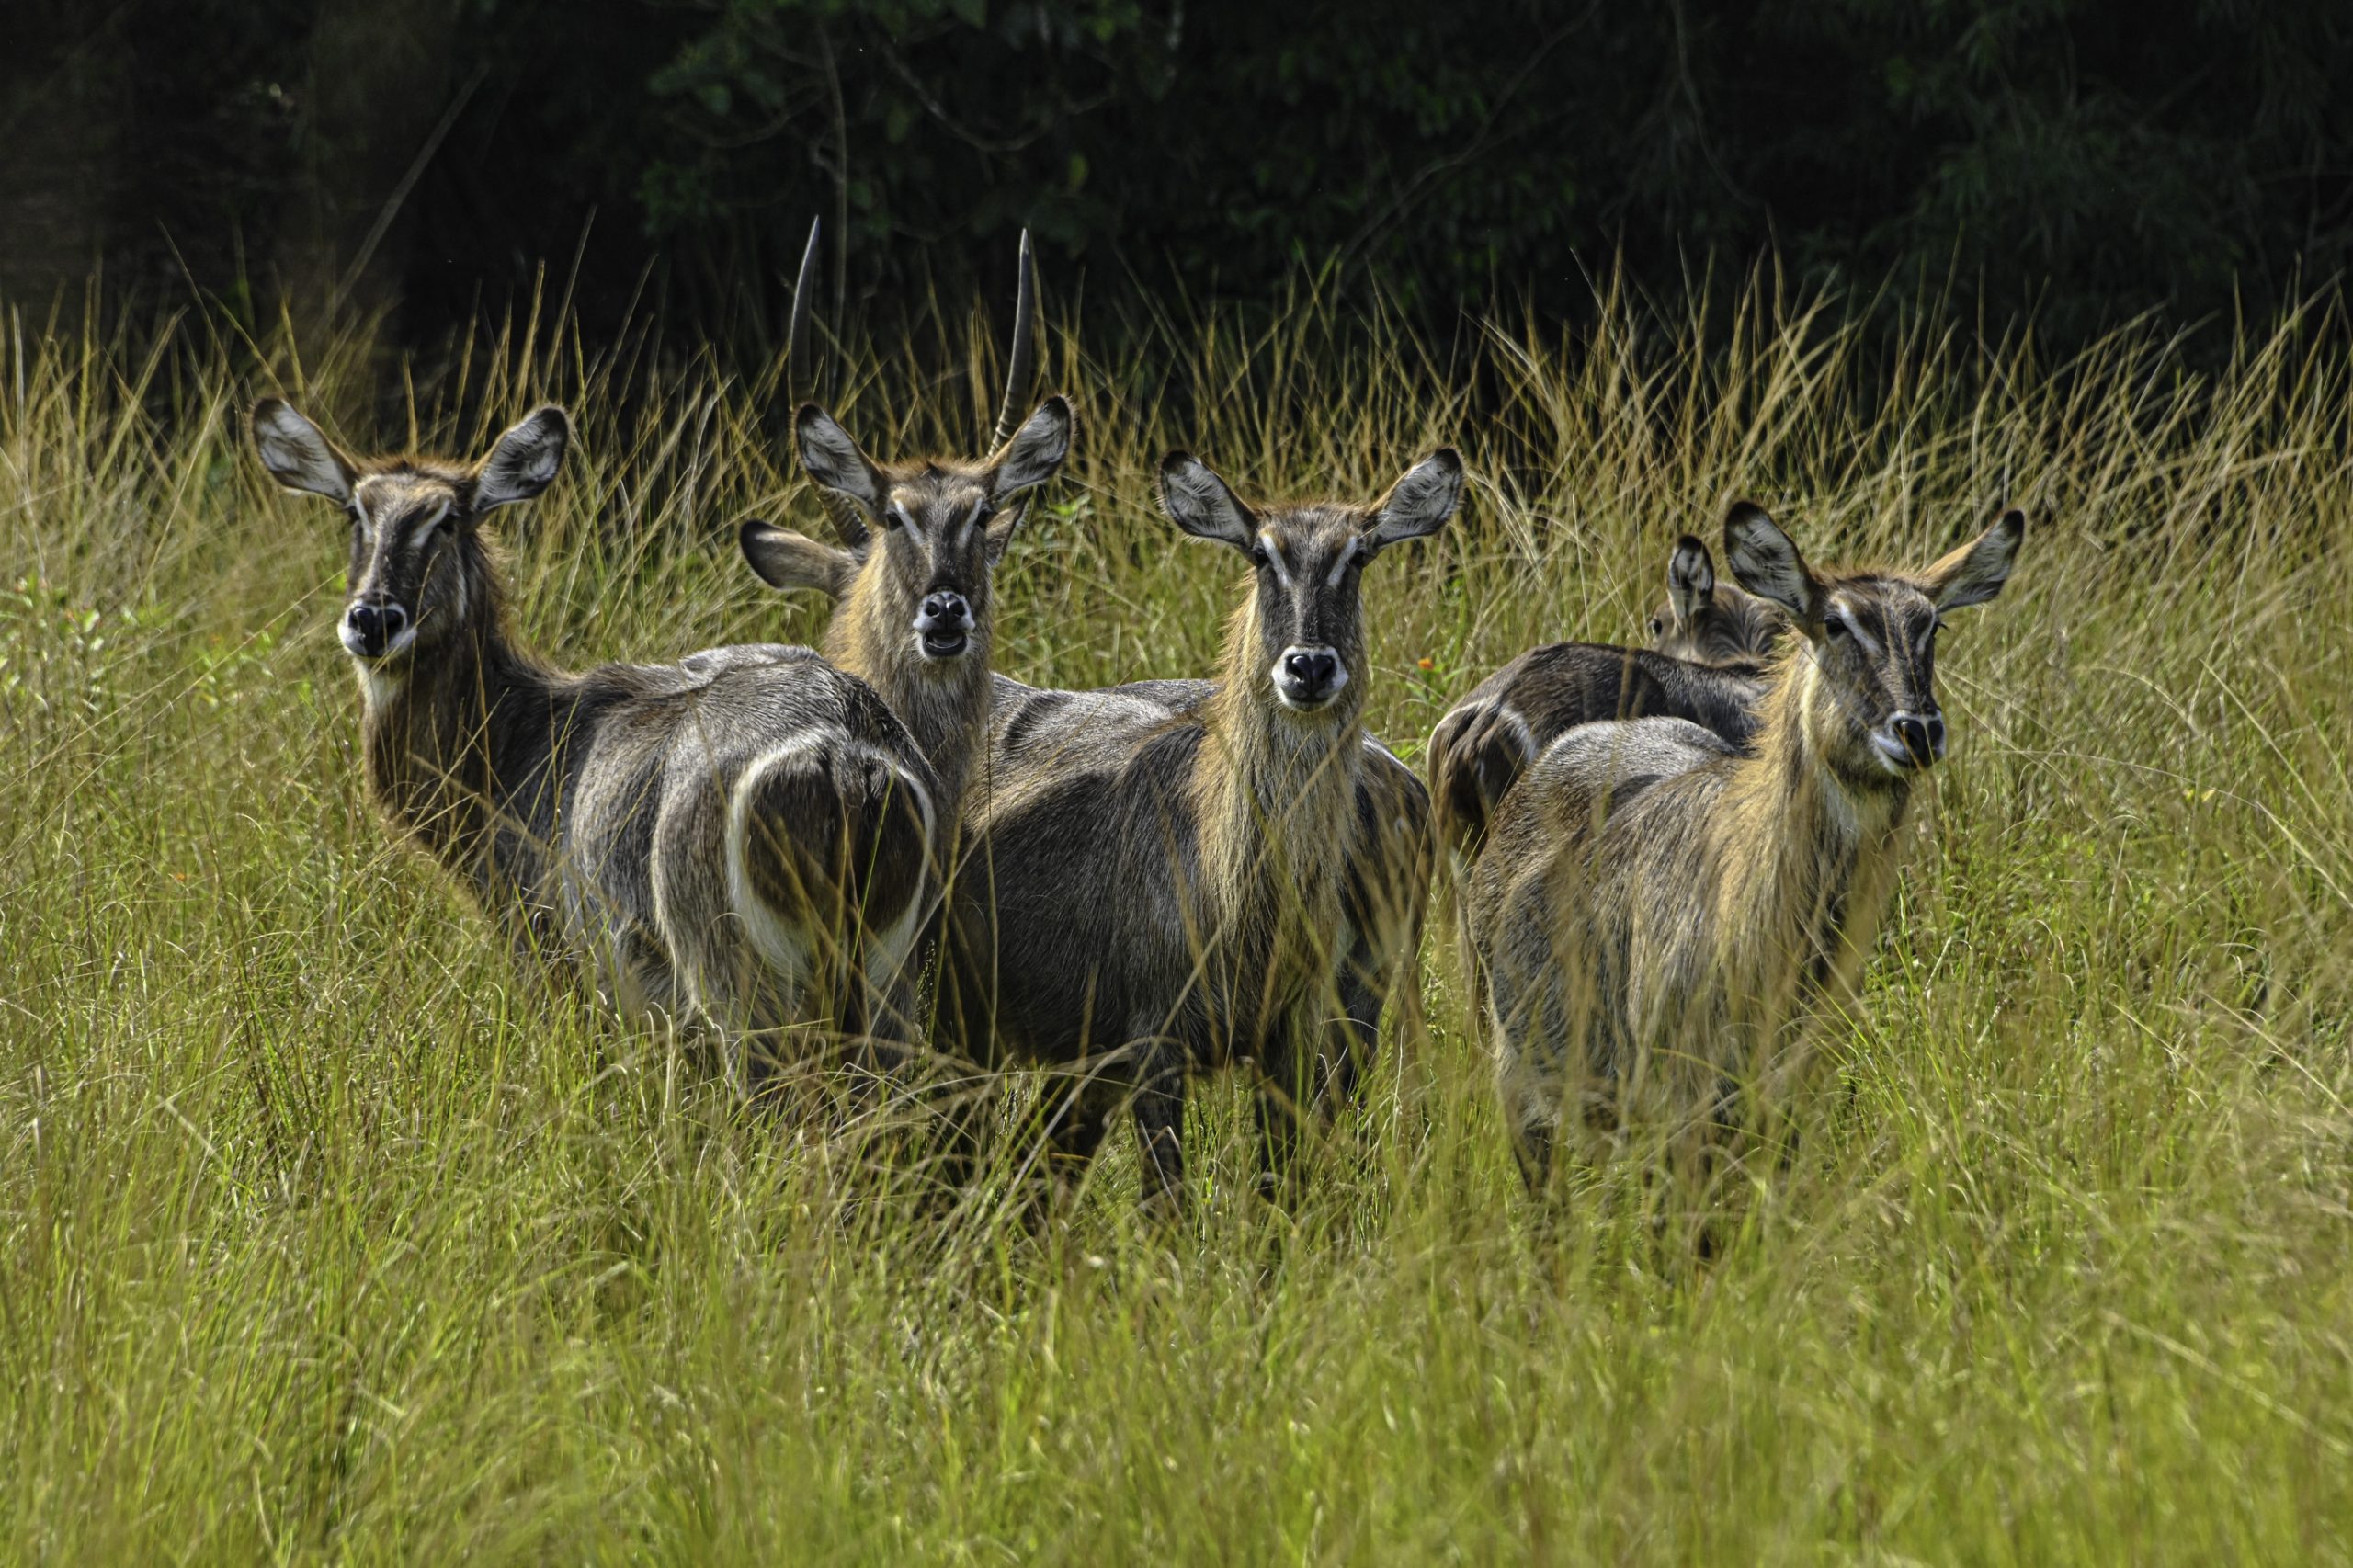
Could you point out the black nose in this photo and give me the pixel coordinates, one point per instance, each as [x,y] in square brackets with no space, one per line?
[1922,734]
[1310,673]
[377,624]
[944,611]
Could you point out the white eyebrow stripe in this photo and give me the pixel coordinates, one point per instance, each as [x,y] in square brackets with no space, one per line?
[359,504]
[1348,552]
[1275,556]
[420,530]
[1870,643]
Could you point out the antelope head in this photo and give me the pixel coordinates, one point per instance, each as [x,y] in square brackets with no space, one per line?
[918,539]
[1301,629]
[1871,636]
[418,573]
[1707,622]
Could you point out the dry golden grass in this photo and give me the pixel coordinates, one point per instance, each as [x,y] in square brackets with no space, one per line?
[320,1236]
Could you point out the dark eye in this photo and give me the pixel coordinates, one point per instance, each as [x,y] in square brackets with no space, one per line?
[1836,626]
[983,513]
[1658,627]
[1258,556]
[892,517]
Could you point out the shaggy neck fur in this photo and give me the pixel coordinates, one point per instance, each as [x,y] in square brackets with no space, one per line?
[1275,797]
[1808,851]
[447,731]
[945,706]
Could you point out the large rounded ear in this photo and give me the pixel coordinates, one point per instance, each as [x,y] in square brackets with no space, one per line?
[1691,578]
[852,486]
[787,560]
[1419,502]
[1198,501]
[525,460]
[1976,572]
[1030,458]
[1766,562]
[298,454]
[1037,449]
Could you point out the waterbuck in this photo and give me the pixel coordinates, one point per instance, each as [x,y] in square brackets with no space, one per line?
[913,615]
[1705,664]
[1656,912]
[739,842]
[1174,876]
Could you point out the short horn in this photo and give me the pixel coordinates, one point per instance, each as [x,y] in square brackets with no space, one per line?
[799,385]
[1023,363]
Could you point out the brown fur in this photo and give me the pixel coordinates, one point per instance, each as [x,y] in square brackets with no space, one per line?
[1656,912]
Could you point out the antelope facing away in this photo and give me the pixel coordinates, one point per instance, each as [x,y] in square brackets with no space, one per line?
[1706,663]
[1168,877]
[739,842]
[1656,912]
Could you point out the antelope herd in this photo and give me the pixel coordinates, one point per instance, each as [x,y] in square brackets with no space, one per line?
[859,864]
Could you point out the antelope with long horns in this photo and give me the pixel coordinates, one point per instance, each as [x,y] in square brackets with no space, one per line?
[1658,914]
[913,615]
[739,842]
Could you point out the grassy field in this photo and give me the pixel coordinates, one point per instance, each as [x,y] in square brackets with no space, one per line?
[324,1235]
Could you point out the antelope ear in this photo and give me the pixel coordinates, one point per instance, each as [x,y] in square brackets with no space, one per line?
[1691,578]
[787,560]
[1031,457]
[298,454]
[1419,502]
[1976,572]
[1198,501]
[833,461]
[525,460]
[1037,449]
[1765,562]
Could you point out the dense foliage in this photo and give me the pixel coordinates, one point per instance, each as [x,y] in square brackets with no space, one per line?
[2085,158]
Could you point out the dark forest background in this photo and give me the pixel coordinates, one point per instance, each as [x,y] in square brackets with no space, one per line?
[2079,160]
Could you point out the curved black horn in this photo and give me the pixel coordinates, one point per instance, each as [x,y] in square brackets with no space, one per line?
[1023,361]
[799,385]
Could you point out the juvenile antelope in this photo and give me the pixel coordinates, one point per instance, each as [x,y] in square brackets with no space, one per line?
[738,842]
[1169,878]
[1656,912]
[1705,664]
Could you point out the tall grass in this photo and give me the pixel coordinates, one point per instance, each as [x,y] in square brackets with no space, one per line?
[322,1234]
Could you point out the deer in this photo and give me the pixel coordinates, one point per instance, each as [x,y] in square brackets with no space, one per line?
[1706,662]
[1658,913]
[1173,878]
[738,844]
